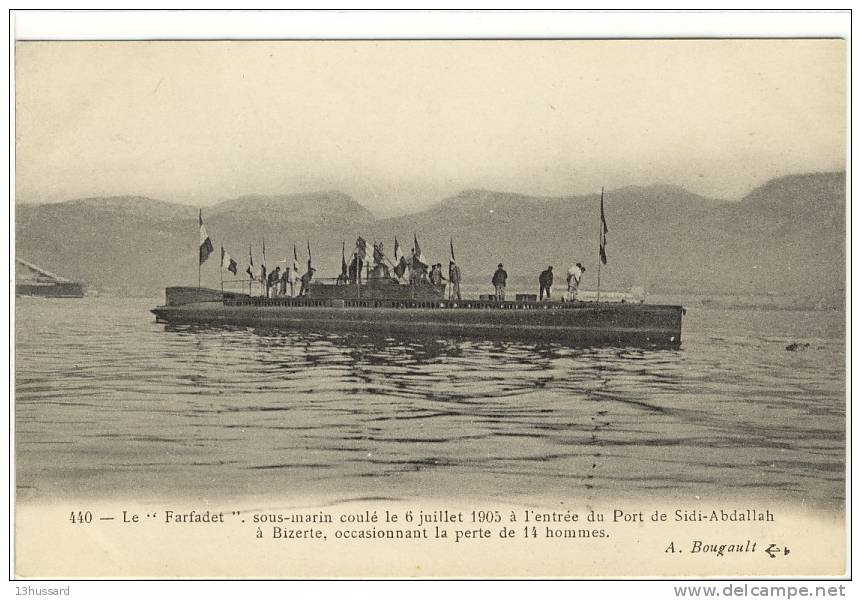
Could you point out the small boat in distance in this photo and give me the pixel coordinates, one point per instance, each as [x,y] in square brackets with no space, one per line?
[31,280]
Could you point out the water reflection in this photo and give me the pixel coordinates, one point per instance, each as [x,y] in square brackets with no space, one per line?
[441,370]
[109,404]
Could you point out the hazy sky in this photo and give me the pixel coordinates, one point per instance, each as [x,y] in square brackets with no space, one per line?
[399,125]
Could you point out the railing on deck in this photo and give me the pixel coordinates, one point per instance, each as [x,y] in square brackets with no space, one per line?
[256,288]
[404,304]
[257,297]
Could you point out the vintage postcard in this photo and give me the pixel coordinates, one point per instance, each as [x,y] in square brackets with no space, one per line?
[420,309]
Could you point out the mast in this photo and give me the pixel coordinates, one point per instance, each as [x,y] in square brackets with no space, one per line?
[294,270]
[263,280]
[200,226]
[600,241]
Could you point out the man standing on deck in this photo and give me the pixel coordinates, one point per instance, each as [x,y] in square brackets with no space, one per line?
[498,281]
[454,278]
[272,282]
[264,280]
[285,279]
[306,281]
[418,272]
[575,275]
[436,277]
[355,269]
[545,282]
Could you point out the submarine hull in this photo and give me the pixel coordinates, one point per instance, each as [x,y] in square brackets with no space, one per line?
[576,323]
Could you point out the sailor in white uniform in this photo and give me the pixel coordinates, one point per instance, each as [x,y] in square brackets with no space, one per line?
[575,274]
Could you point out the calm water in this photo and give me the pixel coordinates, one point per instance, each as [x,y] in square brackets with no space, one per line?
[111,404]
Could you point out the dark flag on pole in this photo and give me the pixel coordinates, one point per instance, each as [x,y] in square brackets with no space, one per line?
[400,261]
[602,250]
[205,243]
[227,262]
[263,264]
[250,269]
[451,243]
[344,267]
[419,257]
[309,255]
[294,272]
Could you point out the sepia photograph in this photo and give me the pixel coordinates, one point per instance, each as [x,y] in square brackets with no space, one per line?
[430,308]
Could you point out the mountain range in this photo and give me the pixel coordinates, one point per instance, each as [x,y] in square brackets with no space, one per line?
[785,237]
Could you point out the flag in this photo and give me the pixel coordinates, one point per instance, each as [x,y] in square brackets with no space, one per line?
[205,243]
[378,253]
[420,258]
[263,263]
[344,260]
[294,277]
[451,243]
[309,255]
[602,250]
[250,269]
[400,261]
[227,262]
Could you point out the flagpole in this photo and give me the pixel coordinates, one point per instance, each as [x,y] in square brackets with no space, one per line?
[199,221]
[221,271]
[294,269]
[450,285]
[600,239]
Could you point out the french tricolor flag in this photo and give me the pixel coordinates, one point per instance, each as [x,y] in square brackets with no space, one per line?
[205,243]
[227,262]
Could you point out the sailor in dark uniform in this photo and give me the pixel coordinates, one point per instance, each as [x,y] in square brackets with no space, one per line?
[272,282]
[306,281]
[500,277]
[355,269]
[545,282]
[436,277]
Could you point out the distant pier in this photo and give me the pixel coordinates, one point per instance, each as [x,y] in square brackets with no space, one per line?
[31,280]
